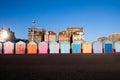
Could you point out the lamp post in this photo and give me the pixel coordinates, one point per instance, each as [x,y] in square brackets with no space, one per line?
[33,22]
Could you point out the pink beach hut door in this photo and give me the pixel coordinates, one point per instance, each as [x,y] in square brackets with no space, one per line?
[43,48]
[8,48]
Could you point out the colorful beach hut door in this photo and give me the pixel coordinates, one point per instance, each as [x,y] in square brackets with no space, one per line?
[0,48]
[20,47]
[117,46]
[108,48]
[76,47]
[8,47]
[43,48]
[54,47]
[97,47]
[87,48]
[32,48]
[65,47]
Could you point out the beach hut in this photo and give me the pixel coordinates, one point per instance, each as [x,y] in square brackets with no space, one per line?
[31,48]
[53,47]
[20,47]
[87,48]
[117,46]
[65,47]
[8,48]
[1,48]
[43,48]
[97,47]
[108,46]
[76,47]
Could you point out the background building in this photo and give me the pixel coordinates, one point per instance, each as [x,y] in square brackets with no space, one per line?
[114,37]
[111,37]
[70,35]
[102,39]
[49,36]
[36,34]
[63,36]
[74,29]
[77,36]
[76,33]
[6,35]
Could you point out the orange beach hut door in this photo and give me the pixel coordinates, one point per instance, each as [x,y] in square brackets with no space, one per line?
[32,48]
[87,48]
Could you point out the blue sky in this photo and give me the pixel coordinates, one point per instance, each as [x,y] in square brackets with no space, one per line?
[97,17]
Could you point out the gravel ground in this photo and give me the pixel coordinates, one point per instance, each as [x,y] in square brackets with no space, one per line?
[60,67]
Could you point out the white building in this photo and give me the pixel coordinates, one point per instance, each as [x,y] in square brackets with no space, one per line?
[78,36]
[6,35]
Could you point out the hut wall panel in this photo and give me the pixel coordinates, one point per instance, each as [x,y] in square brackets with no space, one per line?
[87,48]
[97,48]
[76,48]
[65,48]
[1,48]
[54,48]
[117,47]
[20,48]
[8,48]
